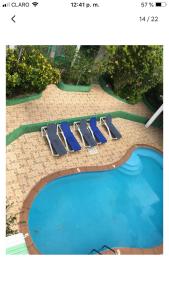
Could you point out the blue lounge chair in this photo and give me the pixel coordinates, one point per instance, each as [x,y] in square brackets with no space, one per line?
[70,139]
[96,131]
[112,130]
[55,144]
[86,135]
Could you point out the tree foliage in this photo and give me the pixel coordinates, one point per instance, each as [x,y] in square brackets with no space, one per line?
[28,71]
[133,70]
[77,67]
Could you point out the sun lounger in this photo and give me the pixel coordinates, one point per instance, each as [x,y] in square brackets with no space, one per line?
[112,130]
[71,142]
[56,146]
[15,245]
[96,131]
[86,135]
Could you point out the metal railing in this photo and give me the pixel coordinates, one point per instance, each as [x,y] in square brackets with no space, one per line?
[114,252]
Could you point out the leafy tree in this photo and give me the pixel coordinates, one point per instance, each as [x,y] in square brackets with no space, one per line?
[133,70]
[28,71]
[77,67]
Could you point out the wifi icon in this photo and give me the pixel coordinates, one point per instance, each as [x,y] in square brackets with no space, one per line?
[35,3]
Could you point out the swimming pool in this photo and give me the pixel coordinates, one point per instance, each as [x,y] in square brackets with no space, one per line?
[121,207]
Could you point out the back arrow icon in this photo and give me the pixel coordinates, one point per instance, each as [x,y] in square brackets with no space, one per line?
[13,18]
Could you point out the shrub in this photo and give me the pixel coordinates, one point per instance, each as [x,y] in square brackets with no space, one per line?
[11,222]
[90,51]
[133,70]
[154,96]
[29,72]
[77,68]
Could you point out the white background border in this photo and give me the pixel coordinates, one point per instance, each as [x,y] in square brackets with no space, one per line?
[85,277]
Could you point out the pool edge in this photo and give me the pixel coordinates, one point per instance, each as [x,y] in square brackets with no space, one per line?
[23,222]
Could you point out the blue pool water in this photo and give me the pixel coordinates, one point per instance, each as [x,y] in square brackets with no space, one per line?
[119,208]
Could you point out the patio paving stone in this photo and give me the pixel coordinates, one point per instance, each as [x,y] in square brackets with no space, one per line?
[57,104]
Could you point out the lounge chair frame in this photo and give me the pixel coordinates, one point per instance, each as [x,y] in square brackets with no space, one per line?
[98,143]
[77,128]
[44,134]
[103,122]
[93,134]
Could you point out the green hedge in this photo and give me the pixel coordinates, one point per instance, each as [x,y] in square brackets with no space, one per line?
[149,105]
[108,90]
[152,107]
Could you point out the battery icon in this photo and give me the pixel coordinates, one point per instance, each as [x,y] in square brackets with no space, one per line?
[161,4]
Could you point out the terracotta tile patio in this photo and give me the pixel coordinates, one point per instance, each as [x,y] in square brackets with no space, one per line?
[138,251]
[57,104]
[29,158]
